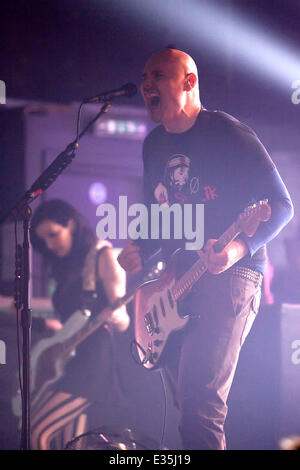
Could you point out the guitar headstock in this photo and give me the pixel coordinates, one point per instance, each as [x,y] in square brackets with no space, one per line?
[252,216]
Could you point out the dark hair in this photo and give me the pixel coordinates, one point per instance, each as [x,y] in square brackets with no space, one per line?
[61,212]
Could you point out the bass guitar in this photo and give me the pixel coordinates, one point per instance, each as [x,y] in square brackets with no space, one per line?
[50,356]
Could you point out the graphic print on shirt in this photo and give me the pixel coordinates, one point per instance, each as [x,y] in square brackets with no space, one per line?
[179,187]
[176,177]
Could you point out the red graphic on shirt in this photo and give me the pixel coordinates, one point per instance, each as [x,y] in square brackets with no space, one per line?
[180,197]
[162,198]
[161,194]
[210,194]
[179,186]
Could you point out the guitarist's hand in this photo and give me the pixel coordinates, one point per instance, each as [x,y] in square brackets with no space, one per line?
[130,259]
[53,324]
[114,319]
[216,263]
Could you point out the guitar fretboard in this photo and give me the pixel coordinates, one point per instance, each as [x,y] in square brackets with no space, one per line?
[186,282]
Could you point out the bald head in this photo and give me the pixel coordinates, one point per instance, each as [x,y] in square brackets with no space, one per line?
[170,89]
[181,57]
[183,61]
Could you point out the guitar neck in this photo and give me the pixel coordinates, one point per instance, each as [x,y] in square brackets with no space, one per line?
[186,282]
[92,325]
[230,234]
[96,321]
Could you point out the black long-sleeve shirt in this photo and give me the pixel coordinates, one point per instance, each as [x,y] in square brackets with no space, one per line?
[221,163]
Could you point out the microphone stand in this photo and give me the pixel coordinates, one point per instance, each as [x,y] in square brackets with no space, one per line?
[22,297]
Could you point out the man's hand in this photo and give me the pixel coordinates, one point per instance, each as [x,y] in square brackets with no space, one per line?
[130,259]
[216,263]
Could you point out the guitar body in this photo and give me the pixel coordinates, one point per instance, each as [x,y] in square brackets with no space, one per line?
[156,317]
[48,360]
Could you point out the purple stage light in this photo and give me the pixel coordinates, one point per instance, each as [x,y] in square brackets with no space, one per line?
[97,193]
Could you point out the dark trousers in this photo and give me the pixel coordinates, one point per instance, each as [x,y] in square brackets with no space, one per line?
[201,359]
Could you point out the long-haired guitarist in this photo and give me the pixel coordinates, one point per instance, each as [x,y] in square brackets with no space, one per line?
[197,156]
[87,276]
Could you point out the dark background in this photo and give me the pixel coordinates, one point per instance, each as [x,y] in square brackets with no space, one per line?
[66,50]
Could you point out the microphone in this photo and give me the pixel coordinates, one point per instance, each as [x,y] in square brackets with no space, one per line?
[128,90]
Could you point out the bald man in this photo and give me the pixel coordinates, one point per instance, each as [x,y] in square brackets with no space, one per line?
[196,156]
[174,101]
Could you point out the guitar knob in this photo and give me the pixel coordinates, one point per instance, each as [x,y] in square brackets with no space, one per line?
[86,312]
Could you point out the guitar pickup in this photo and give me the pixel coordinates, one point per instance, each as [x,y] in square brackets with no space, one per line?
[150,327]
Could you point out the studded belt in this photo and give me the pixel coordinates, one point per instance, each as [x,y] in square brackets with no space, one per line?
[247,273]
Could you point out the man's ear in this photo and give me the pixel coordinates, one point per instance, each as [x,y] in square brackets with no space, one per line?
[190,81]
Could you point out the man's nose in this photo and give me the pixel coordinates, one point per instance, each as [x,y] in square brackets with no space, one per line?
[147,84]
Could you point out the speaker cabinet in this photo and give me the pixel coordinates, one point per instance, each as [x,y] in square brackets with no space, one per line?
[290,370]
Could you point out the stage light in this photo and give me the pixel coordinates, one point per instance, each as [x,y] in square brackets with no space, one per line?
[120,127]
[221,30]
[97,193]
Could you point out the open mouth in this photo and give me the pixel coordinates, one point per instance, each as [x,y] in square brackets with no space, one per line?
[154,101]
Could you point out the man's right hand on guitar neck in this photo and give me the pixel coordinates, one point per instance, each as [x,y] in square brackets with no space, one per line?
[130,258]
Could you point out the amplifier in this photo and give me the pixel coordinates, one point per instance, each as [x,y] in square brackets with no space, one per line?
[290,370]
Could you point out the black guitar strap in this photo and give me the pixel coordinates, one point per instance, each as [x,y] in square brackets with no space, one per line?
[89,274]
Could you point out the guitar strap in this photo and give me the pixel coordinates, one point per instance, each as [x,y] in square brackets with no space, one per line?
[89,274]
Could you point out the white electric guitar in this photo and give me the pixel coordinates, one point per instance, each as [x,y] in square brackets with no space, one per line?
[156,308]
